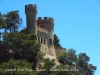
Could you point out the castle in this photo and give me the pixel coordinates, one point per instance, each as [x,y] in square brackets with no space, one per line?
[43,29]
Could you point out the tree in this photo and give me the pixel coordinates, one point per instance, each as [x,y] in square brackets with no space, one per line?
[83,57]
[56,41]
[11,21]
[72,57]
[24,30]
[82,61]
[20,46]
[47,65]
[91,69]
[62,58]
[2,22]
[16,67]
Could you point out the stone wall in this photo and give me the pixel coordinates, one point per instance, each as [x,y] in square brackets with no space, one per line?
[43,28]
[59,50]
[31,11]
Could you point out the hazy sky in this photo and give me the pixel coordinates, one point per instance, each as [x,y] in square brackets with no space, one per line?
[77,22]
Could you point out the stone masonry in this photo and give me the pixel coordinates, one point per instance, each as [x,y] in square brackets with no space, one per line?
[43,29]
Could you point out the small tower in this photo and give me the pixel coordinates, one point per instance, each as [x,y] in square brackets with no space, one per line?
[50,28]
[31,11]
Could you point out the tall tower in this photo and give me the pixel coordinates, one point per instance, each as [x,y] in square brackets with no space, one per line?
[31,11]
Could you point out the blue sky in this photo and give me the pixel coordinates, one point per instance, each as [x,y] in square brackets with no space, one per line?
[77,22]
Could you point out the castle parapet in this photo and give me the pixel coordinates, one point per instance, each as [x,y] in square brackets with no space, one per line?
[31,8]
[51,20]
[42,29]
[48,20]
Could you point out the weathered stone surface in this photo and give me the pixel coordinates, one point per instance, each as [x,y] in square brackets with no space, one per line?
[43,28]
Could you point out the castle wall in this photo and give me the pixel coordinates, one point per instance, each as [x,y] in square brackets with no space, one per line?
[43,28]
[58,51]
[46,22]
[42,32]
[42,35]
[46,25]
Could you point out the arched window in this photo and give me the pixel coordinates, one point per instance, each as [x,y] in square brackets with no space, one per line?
[42,26]
[41,40]
[38,39]
[44,41]
[50,42]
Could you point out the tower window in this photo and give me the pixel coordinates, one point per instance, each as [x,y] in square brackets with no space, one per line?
[41,40]
[50,42]
[44,41]
[38,39]
[42,26]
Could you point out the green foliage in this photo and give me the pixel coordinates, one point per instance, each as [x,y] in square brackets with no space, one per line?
[48,64]
[91,68]
[13,20]
[56,41]
[82,61]
[72,57]
[62,58]
[10,21]
[65,70]
[15,67]
[24,30]
[24,46]
[68,57]
[20,46]
[40,56]
[16,64]
[83,57]
[2,22]
[25,51]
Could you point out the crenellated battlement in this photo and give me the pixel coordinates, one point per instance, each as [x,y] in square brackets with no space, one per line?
[31,8]
[45,20]
[31,11]
[44,30]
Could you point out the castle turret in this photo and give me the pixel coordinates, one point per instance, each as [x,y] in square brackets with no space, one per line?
[48,24]
[43,28]
[31,11]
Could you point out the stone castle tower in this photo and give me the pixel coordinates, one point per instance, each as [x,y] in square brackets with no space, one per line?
[42,28]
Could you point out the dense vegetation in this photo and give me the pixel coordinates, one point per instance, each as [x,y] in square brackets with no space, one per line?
[20,53]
